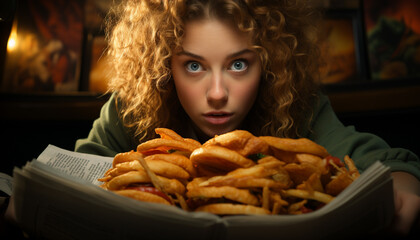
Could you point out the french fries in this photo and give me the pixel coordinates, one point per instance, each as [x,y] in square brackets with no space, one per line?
[233,173]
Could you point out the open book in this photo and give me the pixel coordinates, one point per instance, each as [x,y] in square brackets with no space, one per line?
[57,196]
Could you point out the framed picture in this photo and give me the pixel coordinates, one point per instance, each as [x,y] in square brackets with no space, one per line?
[393,38]
[342,47]
[95,70]
[44,47]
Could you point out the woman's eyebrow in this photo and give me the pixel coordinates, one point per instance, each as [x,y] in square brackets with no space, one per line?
[233,55]
[186,53]
[237,54]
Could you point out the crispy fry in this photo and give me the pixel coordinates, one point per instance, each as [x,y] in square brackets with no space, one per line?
[266,198]
[196,182]
[338,184]
[300,172]
[182,202]
[295,208]
[312,184]
[120,182]
[233,209]
[314,160]
[267,159]
[351,167]
[240,195]
[301,145]
[125,179]
[275,197]
[249,182]
[315,195]
[219,158]
[142,196]
[164,145]
[243,142]
[276,208]
[166,133]
[153,178]
[125,157]
[177,159]
[270,174]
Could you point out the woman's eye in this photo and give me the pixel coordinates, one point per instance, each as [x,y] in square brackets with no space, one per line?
[239,65]
[193,67]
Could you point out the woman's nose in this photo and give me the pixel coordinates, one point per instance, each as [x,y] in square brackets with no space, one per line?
[217,93]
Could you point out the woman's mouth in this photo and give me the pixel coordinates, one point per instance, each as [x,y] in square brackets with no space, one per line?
[217,117]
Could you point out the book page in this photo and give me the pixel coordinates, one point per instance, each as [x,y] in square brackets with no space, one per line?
[86,167]
[5,187]
[6,183]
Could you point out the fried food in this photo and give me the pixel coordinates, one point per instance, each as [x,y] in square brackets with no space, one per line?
[166,133]
[300,172]
[219,158]
[157,166]
[125,157]
[177,159]
[158,171]
[313,160]
[161,145]
[243,142]
[314,195]
[169,141]
[230,174]
[232,209]
[234,194]
[338,184]
[171,186]
[143,196]
[267,174]
[301,145]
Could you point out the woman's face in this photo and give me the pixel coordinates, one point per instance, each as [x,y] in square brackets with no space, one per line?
[216,76]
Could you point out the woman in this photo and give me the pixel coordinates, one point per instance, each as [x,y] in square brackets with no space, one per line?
[204,68]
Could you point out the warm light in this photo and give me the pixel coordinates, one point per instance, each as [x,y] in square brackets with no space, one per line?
[12,42]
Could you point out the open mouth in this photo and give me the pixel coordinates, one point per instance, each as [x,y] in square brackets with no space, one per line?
[217,117]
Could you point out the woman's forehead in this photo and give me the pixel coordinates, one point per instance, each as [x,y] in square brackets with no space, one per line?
[214,32]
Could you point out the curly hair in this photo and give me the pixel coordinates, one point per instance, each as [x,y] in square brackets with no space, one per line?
[143,33]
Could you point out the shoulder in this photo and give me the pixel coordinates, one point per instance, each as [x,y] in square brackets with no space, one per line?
[108,135]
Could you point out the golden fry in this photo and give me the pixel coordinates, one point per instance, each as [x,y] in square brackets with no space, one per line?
[318,196]
[164,145]
[338,184]
[301,145]
[240,195]
[220,158]
[243,142]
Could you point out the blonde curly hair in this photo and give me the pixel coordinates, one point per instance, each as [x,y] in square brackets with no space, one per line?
[143,33]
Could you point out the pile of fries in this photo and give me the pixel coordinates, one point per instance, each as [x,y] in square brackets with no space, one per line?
[233,173]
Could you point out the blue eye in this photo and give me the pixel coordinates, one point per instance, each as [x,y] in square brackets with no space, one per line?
[239,65]
[193,67]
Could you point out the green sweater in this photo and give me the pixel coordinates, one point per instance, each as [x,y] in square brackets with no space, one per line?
[109,137]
